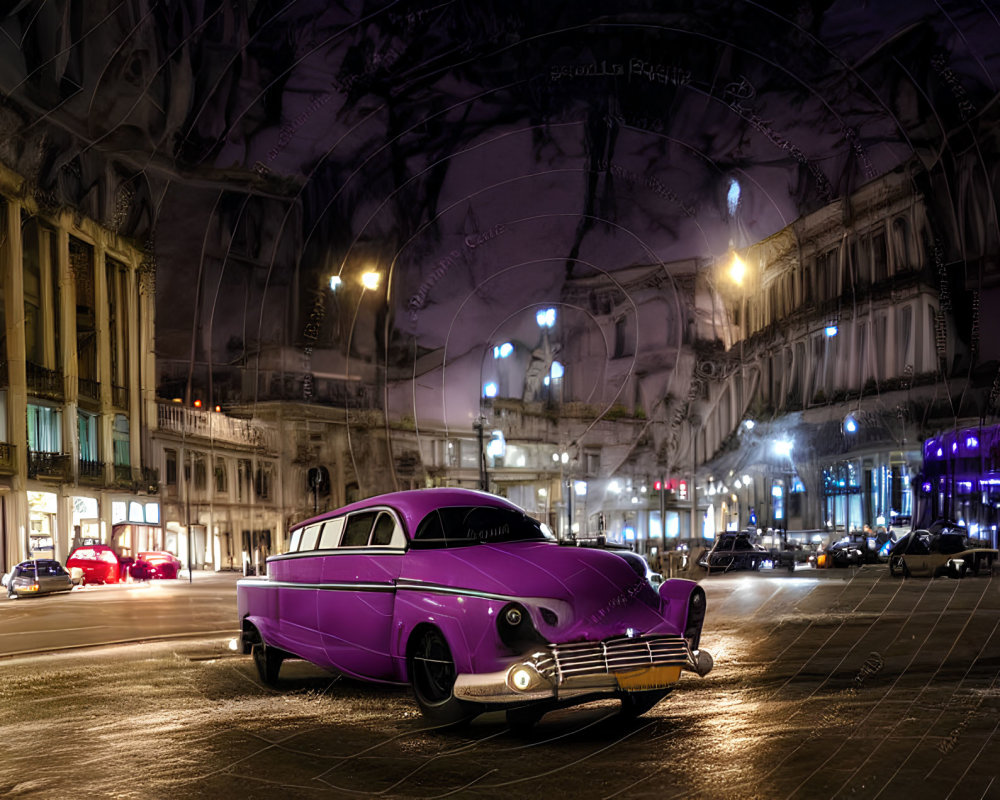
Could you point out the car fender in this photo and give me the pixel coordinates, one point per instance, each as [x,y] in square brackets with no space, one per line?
[676,596]
[468,624]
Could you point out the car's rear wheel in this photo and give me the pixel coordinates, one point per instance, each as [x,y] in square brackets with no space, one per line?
[897,567]
[268,660]
[433,673]
[635,704]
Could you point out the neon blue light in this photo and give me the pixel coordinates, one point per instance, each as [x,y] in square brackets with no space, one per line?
[490,389]
[503,350]
[557,370]
[733,196]
[831,330]
[546,317]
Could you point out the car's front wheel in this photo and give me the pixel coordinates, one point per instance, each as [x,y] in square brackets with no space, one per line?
[897,567]
[635,704]
[433,673]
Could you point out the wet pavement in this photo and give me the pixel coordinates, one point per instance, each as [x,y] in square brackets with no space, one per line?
[847,684]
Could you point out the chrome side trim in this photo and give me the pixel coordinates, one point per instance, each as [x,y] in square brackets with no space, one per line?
[258,583]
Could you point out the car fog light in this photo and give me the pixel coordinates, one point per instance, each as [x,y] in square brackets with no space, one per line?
[521,678]
[513,616]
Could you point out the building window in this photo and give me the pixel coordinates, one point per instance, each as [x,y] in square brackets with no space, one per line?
[243,472]
[262,482]
[200,471]
[86,424]
[170,459]
[44,429]
[221,480]
[120,439]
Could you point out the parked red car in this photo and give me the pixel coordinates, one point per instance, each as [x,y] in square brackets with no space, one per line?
[156,564]
[100,564]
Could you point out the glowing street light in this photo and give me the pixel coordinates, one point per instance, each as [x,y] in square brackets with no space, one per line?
[335,282]
[783,448]
[545,317]
[370,280]
[737,269]
[850,424]
[490,389]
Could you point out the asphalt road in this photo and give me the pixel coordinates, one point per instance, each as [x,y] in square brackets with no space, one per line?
[847,684]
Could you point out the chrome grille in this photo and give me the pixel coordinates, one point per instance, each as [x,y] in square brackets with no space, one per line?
[579,659]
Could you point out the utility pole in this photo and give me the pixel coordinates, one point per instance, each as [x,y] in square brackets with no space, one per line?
[478,426]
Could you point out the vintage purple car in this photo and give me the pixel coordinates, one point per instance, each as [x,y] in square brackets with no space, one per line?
[461,595]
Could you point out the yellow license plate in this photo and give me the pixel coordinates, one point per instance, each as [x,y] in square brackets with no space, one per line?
[648,678]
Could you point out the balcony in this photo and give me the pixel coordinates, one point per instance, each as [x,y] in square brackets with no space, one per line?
[216,427]
[90,471]
[150,481]
[90,389]
[119,397]
[123,476]
[50,466]
[8,459]
[44,382]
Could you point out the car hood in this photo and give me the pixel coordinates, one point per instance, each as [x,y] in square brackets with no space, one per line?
[593,593]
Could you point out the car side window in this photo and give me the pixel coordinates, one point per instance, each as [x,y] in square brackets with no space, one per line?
[385,526]
[332,530]
[358,528]
[310,535]
[917,547]
[293,544]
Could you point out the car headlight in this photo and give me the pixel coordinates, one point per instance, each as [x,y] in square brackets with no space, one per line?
[525,677]
[516,628]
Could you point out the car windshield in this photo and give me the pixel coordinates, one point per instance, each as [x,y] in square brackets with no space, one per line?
[458,526]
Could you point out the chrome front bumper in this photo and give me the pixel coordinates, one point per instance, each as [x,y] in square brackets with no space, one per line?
[582,668]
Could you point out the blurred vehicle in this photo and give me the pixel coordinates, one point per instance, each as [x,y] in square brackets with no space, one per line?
[945,550]
[852,550]
[156,564]
[99,563]
[735,551]
[36,577]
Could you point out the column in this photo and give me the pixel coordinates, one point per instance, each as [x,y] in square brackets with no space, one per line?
[12,275]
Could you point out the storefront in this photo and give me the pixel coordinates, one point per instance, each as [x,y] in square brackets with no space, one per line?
[43,527]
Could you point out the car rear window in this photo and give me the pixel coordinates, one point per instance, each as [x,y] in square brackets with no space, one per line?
[459,526]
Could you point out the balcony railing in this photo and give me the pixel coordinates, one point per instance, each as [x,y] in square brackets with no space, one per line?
[150,480]
[123,474]
[91,471]
[119,396]
[215,426]
[56,466]
[8,459]
[44,382]
[90,389]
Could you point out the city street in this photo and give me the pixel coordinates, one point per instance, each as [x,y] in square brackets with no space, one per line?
[837,683]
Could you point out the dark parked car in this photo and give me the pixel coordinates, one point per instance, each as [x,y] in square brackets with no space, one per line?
[946,550]
[156,564]
[37,577]
[734,551]
[852,550]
